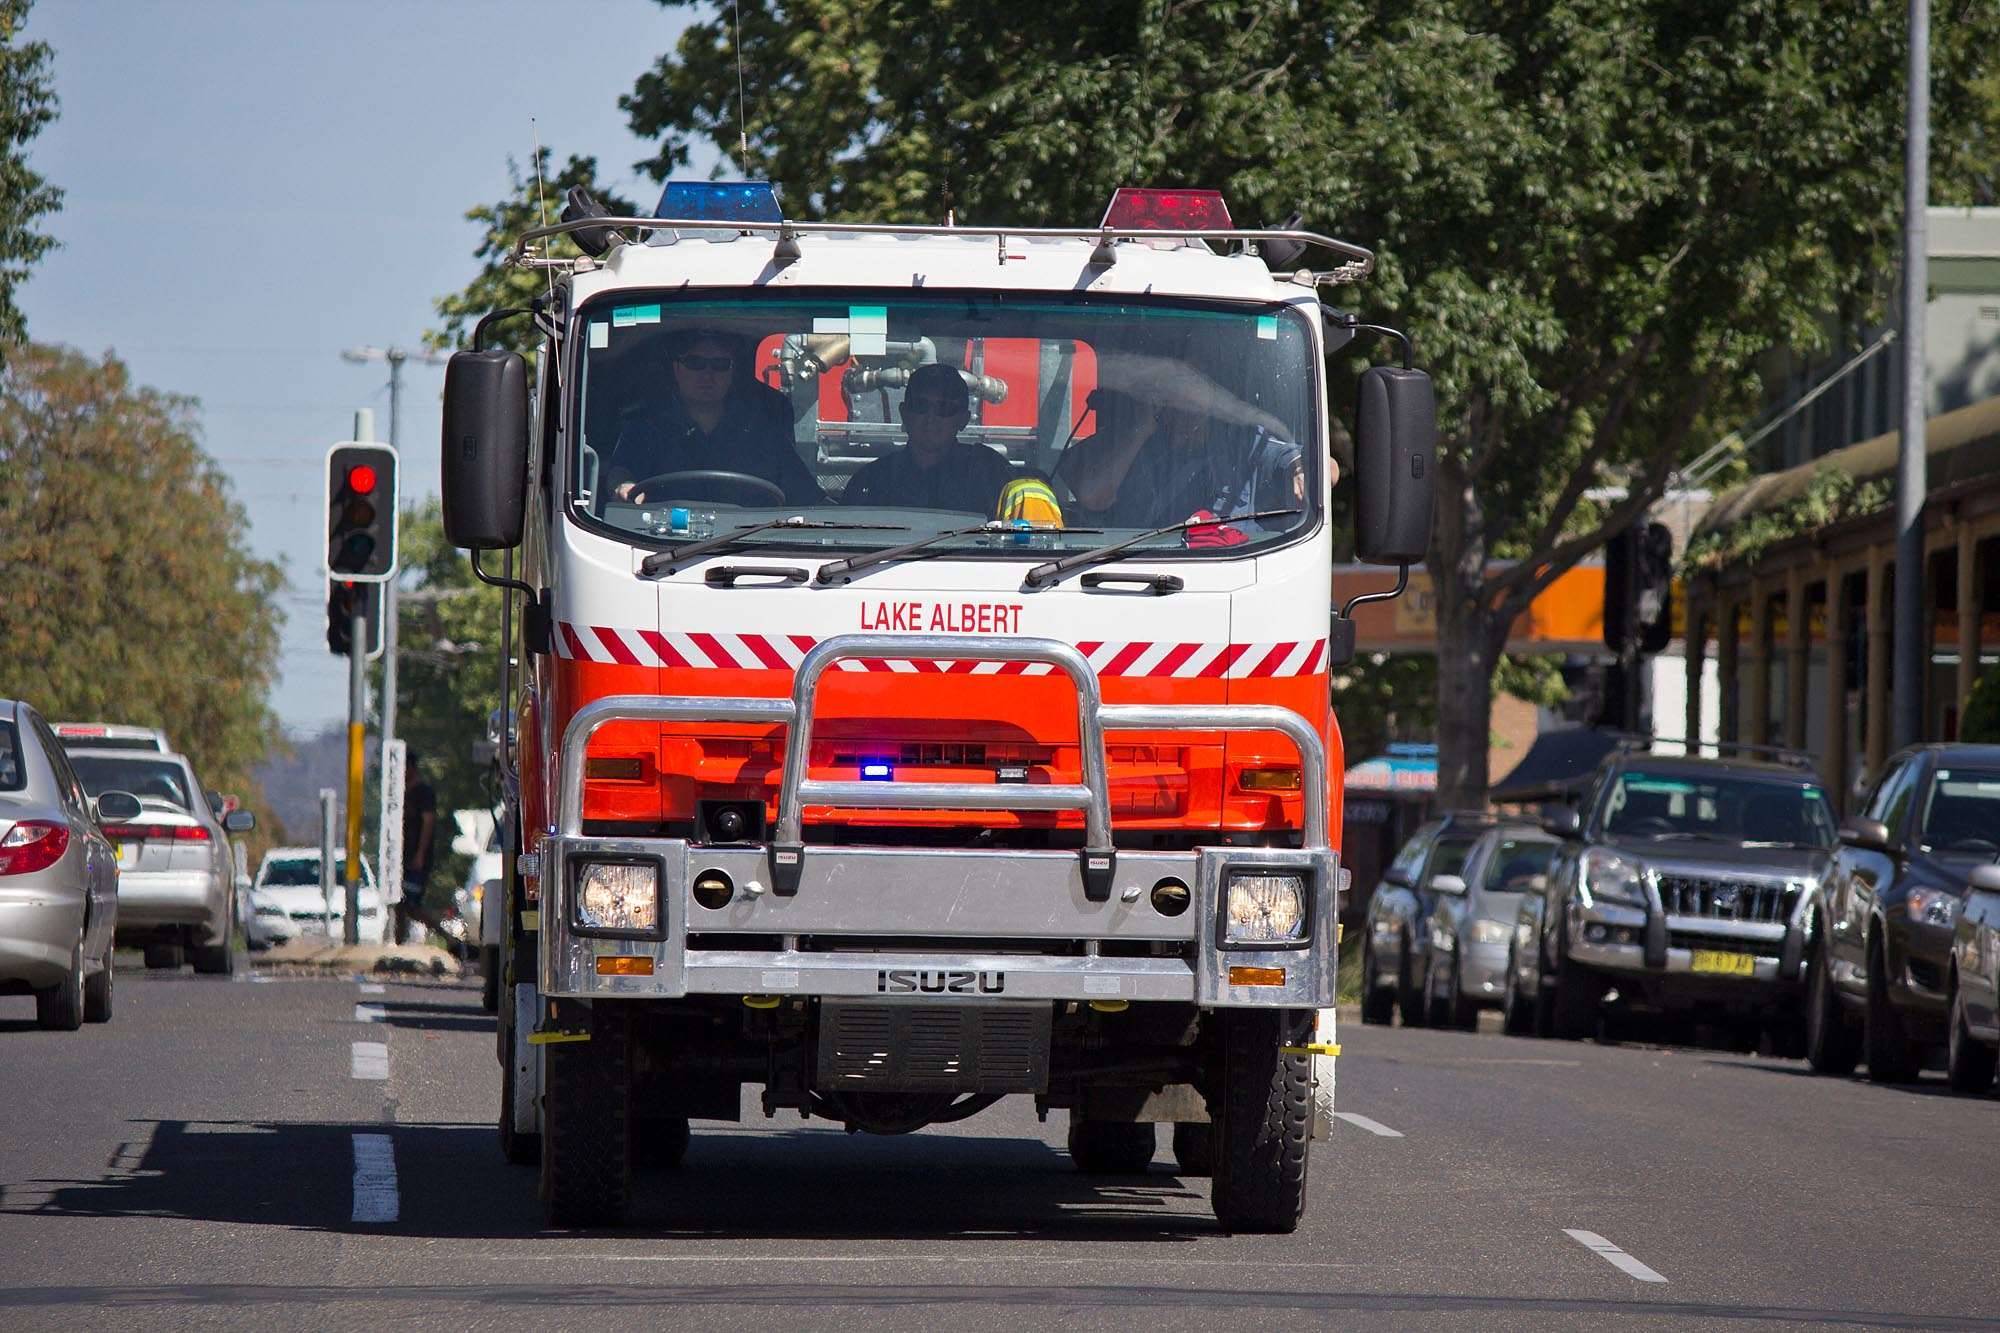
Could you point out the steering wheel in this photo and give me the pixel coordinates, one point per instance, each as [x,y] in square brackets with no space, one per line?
[743,481]
[1648,826]
[1975,843]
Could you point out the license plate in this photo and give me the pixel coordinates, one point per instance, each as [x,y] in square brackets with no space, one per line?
[128,853]
[1724,964]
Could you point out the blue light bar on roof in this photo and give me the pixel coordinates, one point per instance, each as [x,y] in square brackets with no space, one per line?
[720,201]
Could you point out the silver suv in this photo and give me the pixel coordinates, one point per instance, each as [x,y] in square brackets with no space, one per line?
[1681,887]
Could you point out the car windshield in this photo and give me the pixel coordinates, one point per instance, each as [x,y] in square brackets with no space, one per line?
[1768,812]
[885,418]
[1962,811]
[292,872]
[161,779]
[1516,863]
[13,777]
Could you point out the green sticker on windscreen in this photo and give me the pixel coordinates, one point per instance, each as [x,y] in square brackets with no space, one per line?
[1267,327]
[868,329]
[626,315]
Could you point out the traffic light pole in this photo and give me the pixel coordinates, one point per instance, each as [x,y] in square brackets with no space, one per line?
[357,721]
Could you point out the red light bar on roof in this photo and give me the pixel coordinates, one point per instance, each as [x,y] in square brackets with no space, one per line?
[1167,210]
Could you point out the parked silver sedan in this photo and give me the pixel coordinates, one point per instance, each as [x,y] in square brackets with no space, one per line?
[1473,920]
[58,876]
[177,881]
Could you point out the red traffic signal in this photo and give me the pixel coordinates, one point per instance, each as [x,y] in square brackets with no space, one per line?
[361,496]
[361,479]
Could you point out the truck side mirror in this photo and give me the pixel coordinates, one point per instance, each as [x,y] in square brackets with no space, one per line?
[485,450]
[1395,465]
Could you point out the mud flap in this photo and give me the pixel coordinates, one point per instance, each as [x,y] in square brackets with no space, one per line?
[527,1058]
[1322,1075]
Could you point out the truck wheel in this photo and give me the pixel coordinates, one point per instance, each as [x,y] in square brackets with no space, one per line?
[1516,1014]
[163,956]
[60,1007]
[1885,1047]
[1573,1010]
[661,1144]
[1378,1002]
[1263,1123]
[1969,1063]
[1831,1044]
[1110,1147]
[489,978]
[1409,997]
[1194,1148]
[587,1124]
[97,993]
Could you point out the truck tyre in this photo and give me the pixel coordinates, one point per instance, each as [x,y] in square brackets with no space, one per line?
[1886,1048]
[1263,1120]
[1409,995]
[1194,1148]
[1517,1015]
[1968,1063]
[163,956]
[1110,1147]
[1378,1002]
[97,993]
[489,978]
[587,1124]
[662,1144]
[1832,1045]
[60,1007]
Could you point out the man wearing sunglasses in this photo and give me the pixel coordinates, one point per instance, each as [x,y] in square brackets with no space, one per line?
[935,469]
[717,418]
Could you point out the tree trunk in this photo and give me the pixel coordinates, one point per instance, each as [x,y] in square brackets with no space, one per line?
[1466,657]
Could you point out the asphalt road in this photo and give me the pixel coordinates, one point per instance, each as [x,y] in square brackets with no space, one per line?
[308,1153]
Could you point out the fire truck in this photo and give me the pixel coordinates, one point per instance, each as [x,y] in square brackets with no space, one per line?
[920,639]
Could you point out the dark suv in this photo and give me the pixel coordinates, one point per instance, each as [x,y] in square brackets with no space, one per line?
[1393,951]
[1682,886]
[1878,987]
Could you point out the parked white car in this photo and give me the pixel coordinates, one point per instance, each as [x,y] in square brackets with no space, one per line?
[286,901]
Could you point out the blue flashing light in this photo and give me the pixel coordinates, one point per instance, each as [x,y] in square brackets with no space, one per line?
[877,770]
[720,201]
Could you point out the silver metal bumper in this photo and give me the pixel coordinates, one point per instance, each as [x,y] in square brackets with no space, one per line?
[1023,924]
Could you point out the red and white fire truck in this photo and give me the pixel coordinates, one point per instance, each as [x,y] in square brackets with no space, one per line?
[923,639]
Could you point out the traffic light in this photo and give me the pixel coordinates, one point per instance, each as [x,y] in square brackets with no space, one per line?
[1638,589]
[361,493]
[340,605]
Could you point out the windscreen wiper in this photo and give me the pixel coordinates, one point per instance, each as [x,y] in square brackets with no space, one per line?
[661,563]
[1044,574]
[840,571]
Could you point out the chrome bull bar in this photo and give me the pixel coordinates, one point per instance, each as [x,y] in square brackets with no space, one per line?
[1064,895]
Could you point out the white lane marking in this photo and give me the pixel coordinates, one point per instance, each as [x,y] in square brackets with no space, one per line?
[1372,1126]
[376,988]
[375,1198]
[369,1013]
[1611,1254]
[371,1060]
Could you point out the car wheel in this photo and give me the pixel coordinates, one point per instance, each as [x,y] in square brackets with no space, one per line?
[1110,1147]
[1261,1139]
[97,992]
[60,1007]
[1409,998]
[1969,1062]
[215,960]
[1378,1002]
[1194,1149]
[1464,1009]
[1832,1045]
[1437,1003]
[1517,1018]
[1885,1046]
[1573,1012]
[159,956]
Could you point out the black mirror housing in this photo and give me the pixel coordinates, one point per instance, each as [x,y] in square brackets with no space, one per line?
[485,450]
[1395,465]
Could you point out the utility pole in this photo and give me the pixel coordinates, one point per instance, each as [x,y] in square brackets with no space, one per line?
[1911,651]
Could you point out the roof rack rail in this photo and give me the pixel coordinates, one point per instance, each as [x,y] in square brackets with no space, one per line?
[1360,261]
[1783,754]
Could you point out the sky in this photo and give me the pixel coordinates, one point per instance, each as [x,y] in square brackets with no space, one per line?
[252,187]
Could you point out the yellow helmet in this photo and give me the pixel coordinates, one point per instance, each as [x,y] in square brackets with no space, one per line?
[1030,500]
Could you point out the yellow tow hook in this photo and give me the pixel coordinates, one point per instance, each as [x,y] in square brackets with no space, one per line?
[1312,1048]
[550,1036]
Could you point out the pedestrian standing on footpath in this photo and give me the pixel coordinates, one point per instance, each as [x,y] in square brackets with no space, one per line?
[419,831]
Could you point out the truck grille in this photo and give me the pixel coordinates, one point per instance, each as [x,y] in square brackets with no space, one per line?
[1726,899]
[933,1048]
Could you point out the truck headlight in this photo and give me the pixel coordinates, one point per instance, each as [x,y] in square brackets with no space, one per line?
[618,896]
[1264,907]
[1490,932]
[1607,875]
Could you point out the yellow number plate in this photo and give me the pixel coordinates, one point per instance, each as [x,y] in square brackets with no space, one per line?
[1726,964]
[128,853]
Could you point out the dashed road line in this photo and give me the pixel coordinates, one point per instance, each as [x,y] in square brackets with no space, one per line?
[370,1060]
[372,988]
[369,1013]
[1612,1255]
[375,1197]
[1372,1126]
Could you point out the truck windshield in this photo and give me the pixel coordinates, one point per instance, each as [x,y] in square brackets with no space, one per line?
[1073,422]
[1753,811]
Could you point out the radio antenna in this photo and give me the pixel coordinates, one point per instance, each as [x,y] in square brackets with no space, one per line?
[742,126]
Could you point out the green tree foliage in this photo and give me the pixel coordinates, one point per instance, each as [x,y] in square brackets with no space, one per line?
[533,199]
[1593,216]
[127,590]
[27,105]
